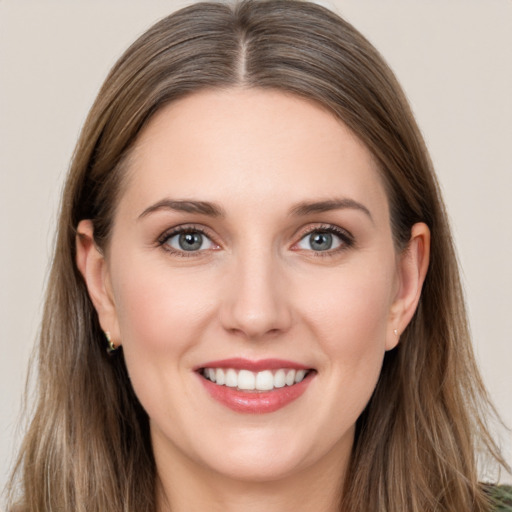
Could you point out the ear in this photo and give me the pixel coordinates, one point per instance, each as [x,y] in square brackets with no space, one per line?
[93,267]
[412,269]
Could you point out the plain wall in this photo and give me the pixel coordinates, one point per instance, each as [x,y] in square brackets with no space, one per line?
[454,59]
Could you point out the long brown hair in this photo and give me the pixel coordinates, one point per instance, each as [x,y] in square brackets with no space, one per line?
[88,448]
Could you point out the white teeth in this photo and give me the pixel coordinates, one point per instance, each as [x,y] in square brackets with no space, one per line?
[264,380]
[231,378]
[279,379]
[246,380]
[290,377]
[220,377]
[299,376]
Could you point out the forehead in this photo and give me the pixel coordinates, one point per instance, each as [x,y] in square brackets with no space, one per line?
[250,146]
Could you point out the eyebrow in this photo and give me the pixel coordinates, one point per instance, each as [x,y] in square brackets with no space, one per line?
[307,208]
[212,210]
[187,206]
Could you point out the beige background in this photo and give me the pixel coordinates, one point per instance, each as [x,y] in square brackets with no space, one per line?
[454,59]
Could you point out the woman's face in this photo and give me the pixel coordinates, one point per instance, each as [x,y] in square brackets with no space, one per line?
[252,247]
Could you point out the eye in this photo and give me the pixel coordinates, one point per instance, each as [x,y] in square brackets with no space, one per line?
[324,239]
[187,240]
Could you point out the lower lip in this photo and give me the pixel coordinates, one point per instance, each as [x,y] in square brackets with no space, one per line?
[256,402]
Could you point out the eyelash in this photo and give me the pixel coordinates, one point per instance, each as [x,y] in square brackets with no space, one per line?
[347,240]
[167,235]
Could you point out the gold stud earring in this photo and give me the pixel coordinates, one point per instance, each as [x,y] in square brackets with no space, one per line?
[111,347]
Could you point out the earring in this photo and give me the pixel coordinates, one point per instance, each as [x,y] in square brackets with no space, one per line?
[395,332]
[111,347]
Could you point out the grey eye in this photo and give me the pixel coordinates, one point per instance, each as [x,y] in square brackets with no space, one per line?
[189,241]
[320,241]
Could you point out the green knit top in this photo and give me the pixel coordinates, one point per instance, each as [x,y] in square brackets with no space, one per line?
[501,496]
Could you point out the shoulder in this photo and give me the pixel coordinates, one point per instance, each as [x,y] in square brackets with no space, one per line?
[501,497]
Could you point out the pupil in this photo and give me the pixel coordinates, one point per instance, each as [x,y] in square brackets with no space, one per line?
[321,241]
[190,241]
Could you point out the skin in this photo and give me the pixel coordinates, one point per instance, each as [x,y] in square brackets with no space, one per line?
[256,289]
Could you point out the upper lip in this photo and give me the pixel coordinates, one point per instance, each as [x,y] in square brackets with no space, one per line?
[239,363]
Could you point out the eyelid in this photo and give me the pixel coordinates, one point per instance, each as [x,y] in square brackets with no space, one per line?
[185,228]
[346,238]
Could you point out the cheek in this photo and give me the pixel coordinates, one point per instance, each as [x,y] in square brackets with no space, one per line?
[159,312]
[161,319]
[350,312]
[349,319]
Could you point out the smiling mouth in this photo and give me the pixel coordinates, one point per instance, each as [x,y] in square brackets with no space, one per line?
[255,386]
[249,381]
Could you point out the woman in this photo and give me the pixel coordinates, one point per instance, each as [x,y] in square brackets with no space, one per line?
[254,302]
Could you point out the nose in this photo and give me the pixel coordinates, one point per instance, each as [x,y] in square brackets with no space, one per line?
[256,305]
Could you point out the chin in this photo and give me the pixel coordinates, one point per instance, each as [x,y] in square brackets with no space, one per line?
[265,468]
[272,456]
